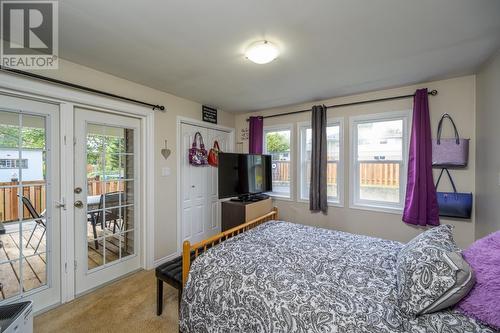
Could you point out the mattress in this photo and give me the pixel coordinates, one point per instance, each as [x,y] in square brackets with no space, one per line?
[285,277]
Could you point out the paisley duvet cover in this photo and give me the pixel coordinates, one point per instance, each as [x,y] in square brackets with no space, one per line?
[283,277]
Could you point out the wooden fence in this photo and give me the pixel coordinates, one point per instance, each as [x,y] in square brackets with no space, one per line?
[96,186]
[281,171]
[379,174]
[9,200]
[35,192]
[372,174]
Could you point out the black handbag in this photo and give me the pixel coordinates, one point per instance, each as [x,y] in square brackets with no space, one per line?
[453,204]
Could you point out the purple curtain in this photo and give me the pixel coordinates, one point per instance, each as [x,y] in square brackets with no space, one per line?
[421,207]
[256,134]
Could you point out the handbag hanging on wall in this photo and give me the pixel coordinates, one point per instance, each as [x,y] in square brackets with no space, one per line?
[213,155]
[198,155]
[449,152]
[453,204]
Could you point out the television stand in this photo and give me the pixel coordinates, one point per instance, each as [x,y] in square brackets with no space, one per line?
[251,197]
[235,213]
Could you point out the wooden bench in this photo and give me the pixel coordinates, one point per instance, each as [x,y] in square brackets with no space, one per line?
[171,273]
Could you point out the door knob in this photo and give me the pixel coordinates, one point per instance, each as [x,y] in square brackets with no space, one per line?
[78,204]
[78,190]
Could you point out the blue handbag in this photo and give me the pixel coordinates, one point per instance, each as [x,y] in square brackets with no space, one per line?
[453,204]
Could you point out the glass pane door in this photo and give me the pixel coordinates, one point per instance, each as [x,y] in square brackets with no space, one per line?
[23,196]
[110,194]
[29,222]
[106,199]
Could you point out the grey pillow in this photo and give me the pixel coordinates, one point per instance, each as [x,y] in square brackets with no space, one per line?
[431,273]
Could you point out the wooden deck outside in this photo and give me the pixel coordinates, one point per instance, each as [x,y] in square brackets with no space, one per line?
[95,256]
[34,264]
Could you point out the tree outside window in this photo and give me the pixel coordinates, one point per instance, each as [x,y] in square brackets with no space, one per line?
[277,144]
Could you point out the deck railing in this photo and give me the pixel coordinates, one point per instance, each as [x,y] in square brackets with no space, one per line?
[98,187]
[35,192]
[9,200]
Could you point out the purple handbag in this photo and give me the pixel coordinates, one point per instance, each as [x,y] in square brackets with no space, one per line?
[449,152]
[198,156]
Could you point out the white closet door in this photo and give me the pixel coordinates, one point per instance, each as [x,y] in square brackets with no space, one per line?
[213,223]
[193,189]
[201,212]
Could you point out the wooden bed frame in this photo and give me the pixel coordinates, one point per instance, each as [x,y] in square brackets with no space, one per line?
[190,252]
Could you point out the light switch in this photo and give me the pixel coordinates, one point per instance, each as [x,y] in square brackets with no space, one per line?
[165,172]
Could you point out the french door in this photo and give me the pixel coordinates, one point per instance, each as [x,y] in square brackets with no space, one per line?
[29,202]
[106,199]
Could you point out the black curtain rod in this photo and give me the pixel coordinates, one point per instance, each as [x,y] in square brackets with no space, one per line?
[77,86]
[432,93]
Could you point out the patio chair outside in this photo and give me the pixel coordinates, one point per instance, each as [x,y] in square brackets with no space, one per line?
[38,219]
[112,215]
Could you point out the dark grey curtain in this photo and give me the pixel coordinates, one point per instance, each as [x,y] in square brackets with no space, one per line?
[317,193]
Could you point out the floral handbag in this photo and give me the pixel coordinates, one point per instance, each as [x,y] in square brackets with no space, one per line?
[213,155]
[198,155]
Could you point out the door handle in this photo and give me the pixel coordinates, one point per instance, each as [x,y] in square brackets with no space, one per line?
[61,204]
[78,204]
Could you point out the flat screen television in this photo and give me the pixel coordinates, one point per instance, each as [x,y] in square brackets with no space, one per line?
[242,175]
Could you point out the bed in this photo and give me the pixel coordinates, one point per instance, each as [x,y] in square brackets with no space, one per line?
[285,277]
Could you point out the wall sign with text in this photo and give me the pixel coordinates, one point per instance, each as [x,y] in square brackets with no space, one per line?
[209,114]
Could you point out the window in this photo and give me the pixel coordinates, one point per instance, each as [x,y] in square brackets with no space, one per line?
[334,134]
[13,163]
[277,143]
[379,158]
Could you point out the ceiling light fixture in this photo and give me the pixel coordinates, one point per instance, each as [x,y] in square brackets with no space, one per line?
[262,52]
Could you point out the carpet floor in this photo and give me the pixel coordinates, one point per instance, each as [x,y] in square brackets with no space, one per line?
[127,305]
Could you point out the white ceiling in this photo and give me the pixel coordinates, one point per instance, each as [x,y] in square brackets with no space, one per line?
[194,48]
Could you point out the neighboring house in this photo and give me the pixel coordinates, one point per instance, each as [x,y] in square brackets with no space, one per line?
[380,142]
[387,149]
[281,156]
[332,142]
[30,164]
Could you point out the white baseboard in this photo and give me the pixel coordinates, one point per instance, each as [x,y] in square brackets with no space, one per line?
[163,260]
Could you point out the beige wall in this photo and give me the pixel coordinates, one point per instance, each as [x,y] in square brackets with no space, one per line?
[456,96]
[165,129]
[488,148]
